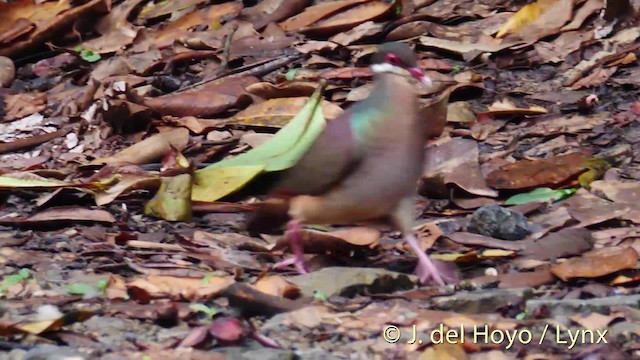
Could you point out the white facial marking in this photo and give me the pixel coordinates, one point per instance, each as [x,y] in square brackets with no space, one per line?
[388,68]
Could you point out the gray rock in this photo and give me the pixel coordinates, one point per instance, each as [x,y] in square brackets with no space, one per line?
[348,281]
[477,302]
[242,353]
[50,352]
[498,222]
[624,328]
[561,310]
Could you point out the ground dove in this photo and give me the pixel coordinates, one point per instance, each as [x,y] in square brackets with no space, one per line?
[366,163]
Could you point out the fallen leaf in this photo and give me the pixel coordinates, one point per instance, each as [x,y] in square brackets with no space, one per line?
[564,243]
[537,20]
[597,263]
[540,194]
[349,18]
[454,162]
[116,31]
[468,50]
[209,99]
[278,112]
[594,320]
[471,239]
[625,192]
[277,285]
[172,201]
[151,149]
[589,209]
[445,351]
[529,173]
[181,287]
[314,13]
[338,241]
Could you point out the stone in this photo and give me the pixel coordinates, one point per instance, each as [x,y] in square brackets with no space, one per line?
[498,222]
[349,281]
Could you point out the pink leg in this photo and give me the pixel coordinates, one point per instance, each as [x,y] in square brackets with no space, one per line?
[426,268]
[294,233]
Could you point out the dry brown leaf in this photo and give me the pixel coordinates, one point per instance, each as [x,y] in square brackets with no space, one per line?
[597,263]
[594,320]
[597,77]
[537,20]
[267,90]
[181,287]
[454,162]
[65,214]
[468,50]
[531,173]
[42,21]
[209,99]
[117,32]
[151,149]
[24,104]
[589,209]
[507,107]
[349,18]
[564,243]
[317,12]
[267,11]
[277,285]
[209,15]
[571,125]
[278,112]
[362,31]
[338,241]
[583,13]
[445,351]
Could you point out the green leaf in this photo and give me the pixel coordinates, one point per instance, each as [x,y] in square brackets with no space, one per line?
[102,285]
[320,295]
[281,152]
[80,289]
[90,56]
[540,194]
[291,74]
[24,273]
[203,308]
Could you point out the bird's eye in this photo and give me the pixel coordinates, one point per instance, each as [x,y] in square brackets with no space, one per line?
[392,59]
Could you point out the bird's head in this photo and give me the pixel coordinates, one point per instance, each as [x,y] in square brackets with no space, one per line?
[398,58]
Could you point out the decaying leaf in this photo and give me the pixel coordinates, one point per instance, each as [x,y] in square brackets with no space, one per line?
[150,149]
[537,20]
[454,162]
[597,263]
[530,173]
[278,112]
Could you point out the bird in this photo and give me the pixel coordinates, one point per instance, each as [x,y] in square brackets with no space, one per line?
[366,163]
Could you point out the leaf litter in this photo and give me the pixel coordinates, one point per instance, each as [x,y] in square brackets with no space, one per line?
[137,137]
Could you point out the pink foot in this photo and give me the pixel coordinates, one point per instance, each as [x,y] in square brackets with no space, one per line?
[291,261]
[294,233]
[425,269]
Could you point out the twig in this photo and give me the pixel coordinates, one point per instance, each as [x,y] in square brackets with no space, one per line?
[226,52]
[256,68]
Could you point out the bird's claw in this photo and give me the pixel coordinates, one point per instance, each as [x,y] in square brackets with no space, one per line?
[299,264]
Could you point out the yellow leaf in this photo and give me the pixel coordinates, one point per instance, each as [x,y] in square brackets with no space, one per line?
[524,16]
[216,182]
